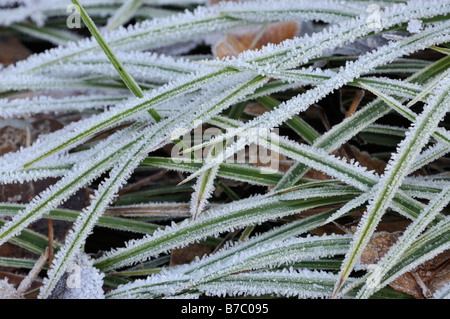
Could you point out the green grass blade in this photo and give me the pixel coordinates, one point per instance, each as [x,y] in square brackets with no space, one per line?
[52,35]
[103,221]
[126,77]
[31,241]
[123,14]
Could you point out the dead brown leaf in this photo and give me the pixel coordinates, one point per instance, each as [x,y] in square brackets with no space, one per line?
[12,138]
[328,229]
[371,163]
[420,282]
[213,2]
[363,158]
[235,43]
[188,254]
[255,109]
[312,173]
[316,175]
[378,246]
[16,193]
[11,50]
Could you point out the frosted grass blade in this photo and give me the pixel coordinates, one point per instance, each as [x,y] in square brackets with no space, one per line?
[397,168]
[404,242]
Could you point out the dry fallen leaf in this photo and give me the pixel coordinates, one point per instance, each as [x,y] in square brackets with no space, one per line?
[327,229]
[435,273]
[255,109]
[213,2]
[285,165]
[188,254]
[420,282]
[11,50]
[351,152]
[371,163]
[235,43]
[12,138]
[378,246]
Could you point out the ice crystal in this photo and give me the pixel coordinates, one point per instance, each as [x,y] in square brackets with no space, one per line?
[82,281]
[429,155]
[287,283]
[227,262]
[212,222]
[8,291]
[414,26]
[44,104]
[443,293]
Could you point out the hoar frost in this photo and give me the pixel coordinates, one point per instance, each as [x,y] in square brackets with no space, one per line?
[7,290]
[414,26]
[81,281]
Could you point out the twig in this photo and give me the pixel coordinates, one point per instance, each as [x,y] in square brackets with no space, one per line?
[356,100]
[142,182]
[28,280]
[50,243]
